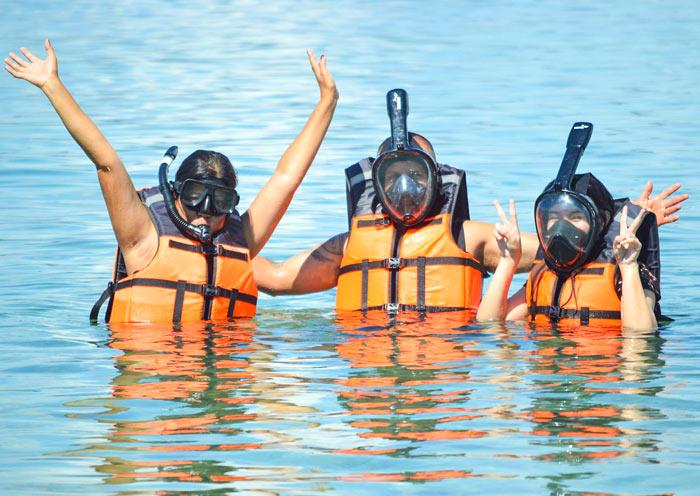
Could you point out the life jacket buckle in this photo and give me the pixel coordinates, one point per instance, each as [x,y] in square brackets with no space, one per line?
[555,313]
[211,249]
[210,290]
[394,263]
[384,221]
[392,308]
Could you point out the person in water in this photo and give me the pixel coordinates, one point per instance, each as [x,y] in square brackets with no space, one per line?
[183,251]
[596,270]
[411,244]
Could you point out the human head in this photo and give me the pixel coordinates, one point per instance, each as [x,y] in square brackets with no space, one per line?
[208,167]
[572,221]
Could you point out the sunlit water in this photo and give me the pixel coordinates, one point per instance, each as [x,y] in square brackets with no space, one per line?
[299,400]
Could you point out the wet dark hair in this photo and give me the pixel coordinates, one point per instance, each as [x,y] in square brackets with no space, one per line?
[590,186]
[206,164]
[427,147]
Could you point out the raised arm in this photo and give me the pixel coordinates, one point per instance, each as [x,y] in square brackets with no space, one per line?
[637,305]
[308,272]
[130,220]
[268,207]
[507,235]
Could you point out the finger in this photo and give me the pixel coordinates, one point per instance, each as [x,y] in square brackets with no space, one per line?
[645,192]
[11,63]
[635,224]
[313,61]
[11,71]
[28,54]
[501,213]
[513,215]
[669,191]
[672,210]
[623,222]
[18,60]
[675,200]
[668,220]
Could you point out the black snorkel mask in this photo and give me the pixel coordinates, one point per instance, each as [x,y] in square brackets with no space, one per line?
[200,233]
[405,178]
[568,221]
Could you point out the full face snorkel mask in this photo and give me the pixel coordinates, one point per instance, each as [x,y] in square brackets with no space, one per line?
[567,221]
[405,178]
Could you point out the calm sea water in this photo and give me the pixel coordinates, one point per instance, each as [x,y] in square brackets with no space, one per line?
[298,400]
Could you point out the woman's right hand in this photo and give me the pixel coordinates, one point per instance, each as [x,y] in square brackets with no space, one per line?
[323,77]
[507,233]
[35,70]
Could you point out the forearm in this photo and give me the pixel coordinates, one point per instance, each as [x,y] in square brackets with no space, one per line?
[495,301]
[636,309]
[271,203]
[289,277]
[80,127]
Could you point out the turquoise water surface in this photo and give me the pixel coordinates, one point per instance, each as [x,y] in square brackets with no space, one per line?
[299,400]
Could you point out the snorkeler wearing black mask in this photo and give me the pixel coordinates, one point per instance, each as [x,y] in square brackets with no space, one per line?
[591,274]
[184,251]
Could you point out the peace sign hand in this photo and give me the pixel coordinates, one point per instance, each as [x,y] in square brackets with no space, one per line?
[35,70]
[626,245]
[507,233]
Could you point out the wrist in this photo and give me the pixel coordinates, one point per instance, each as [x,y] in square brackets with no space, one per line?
[628,268]
[51,84]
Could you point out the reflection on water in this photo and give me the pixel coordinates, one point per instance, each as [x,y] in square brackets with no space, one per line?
[374,402]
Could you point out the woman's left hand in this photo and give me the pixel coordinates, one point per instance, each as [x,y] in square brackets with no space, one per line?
[507,233]
[323,77]
[626,245]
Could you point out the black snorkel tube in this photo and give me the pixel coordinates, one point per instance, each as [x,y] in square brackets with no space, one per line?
[579,136]
[198,233]
[397,108]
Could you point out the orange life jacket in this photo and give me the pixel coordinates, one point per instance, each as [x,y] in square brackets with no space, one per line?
[186,281]
[594,298]
[394,269]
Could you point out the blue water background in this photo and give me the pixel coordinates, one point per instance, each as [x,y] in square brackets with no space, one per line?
[496,86]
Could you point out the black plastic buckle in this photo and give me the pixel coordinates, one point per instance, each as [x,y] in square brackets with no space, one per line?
[210,290]
[384,221]
[392,308]
[211,249]
[555,313]
[393,263]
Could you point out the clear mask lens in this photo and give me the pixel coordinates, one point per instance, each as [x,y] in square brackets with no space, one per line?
[208,198]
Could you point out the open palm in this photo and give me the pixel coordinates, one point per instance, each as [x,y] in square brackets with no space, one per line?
[33,69]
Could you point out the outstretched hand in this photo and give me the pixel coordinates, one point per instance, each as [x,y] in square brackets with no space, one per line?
[626,246]
[323,77]
[35,70]
[661,205]
[507,233]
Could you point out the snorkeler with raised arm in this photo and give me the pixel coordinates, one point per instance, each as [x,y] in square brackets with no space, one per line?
[595,270]
[183,250]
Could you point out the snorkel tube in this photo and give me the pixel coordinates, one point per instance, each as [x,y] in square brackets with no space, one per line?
[579,136]
[397,108]
[198,233]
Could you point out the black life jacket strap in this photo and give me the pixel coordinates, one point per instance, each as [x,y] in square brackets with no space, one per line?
[217,250]
[364,266]
[399,263]
[584,315]
[107,293]
[400,307]
[179,300]
[420,282]
[232,303]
